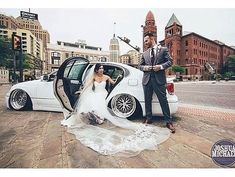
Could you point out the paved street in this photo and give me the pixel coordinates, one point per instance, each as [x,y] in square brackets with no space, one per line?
[207,93]
[35,139]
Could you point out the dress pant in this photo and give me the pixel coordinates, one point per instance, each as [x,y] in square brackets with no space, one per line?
[160,91]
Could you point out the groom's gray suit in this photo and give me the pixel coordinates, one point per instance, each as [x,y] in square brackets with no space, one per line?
[156,80]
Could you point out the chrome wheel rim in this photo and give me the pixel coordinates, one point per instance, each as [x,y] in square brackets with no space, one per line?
[18,99]
[123,105]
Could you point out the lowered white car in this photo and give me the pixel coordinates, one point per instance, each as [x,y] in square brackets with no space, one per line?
[35,95]
[125,98]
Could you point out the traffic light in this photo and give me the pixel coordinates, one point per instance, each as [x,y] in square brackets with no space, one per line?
[16,42]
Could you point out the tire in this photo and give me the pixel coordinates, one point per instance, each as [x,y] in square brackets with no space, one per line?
[123,105]
[20,100]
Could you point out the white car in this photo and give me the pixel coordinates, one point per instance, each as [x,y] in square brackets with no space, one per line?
[125,98]
[35,95]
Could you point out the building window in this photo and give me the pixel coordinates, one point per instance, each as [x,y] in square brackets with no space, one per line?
[55,61]
[186,43]
[66,55]
[178,52]
[186,61]
[55,54]
[186,52]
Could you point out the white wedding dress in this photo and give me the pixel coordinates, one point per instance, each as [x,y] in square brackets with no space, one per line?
[115,136]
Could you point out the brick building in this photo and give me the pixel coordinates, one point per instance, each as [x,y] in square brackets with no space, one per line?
[149,27]
[9,22]
[22,22]
[191,50]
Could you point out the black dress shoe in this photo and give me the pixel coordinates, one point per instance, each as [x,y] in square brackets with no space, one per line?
[149,121]
[171,127]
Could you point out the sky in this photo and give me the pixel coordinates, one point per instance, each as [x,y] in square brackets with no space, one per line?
[96,25]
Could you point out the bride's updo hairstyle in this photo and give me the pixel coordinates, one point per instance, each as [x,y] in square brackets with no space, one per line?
[97,66]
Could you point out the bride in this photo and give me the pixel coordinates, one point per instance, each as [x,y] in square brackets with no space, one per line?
[96,127]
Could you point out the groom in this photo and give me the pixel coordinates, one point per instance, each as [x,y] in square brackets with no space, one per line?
[153,63]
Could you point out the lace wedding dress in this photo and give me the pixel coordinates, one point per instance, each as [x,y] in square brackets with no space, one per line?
[110,135]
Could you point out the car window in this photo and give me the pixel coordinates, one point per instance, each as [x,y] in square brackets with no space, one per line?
[77,70]
[87,71]
[68,67]
[116,73]
[113,71]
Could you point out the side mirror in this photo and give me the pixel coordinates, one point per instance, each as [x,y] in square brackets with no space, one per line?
[51,77]
[44,77]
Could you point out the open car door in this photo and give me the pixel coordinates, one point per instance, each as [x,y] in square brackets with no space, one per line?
[68,80]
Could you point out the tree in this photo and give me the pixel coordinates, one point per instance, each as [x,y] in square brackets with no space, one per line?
[177,68]
[27,62]
[229,64]
[229,74]
[6,53]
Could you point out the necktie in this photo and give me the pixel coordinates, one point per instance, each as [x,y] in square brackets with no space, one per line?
[152,55]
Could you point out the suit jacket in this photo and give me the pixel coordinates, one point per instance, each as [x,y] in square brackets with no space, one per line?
[162,57]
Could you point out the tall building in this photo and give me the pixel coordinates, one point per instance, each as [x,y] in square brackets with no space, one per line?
[28,21]
[149,27]
[57,53]
[114,49]
[173,36]
[33,25]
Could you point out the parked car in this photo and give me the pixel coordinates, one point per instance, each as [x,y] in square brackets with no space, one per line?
[35,95]
[125,98]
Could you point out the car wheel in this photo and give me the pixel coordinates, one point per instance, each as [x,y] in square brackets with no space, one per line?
[123,105]
[19,100]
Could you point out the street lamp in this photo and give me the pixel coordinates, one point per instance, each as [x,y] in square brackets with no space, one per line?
[142,26]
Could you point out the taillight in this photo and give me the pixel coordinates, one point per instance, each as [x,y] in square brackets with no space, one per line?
[170,88]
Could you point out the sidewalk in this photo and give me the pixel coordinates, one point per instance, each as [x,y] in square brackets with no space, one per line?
[222,82]
[205,112]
